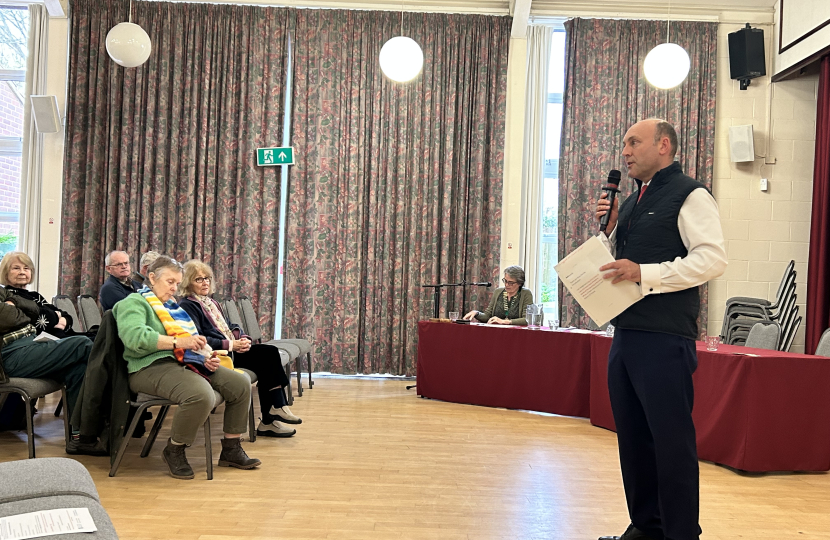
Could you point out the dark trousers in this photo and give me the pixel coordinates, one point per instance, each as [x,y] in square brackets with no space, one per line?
[650,382]
[63,361]
[265,361]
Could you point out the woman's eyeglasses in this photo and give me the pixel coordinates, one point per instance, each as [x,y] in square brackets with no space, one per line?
[511,283]
[201,280]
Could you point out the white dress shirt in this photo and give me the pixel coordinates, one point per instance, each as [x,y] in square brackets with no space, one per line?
[700,230]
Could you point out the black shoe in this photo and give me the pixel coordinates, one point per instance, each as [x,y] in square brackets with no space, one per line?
[173,455]
[631,533]
[234,456]
[76,448]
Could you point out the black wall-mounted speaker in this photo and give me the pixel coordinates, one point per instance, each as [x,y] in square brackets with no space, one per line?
[746,55]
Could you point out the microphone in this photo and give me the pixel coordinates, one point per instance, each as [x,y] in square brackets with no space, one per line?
[482,284]
[612,190]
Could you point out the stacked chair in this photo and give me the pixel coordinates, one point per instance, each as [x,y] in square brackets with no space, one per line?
[743,313]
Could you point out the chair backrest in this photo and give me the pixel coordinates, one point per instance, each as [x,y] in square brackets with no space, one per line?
[250,318]
[788,321]
[66,305]
[823,348]
[785,309]
[789,336]
[90,312]
[232,313]
[789,275]
[764,335]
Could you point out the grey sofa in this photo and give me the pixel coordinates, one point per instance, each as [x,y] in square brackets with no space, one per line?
[52,483]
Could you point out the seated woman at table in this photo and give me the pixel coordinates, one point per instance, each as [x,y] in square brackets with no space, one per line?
[262,359]
[508,303]
[167,357]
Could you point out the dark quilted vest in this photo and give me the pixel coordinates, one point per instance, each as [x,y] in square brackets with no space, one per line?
[647,233]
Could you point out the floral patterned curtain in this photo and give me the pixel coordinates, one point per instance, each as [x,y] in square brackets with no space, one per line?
[605,93]
[396,185]
[162,156]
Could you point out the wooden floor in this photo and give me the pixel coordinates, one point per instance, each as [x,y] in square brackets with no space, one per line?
[373,461]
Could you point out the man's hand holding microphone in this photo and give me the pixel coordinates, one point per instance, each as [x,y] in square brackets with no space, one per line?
[608,210]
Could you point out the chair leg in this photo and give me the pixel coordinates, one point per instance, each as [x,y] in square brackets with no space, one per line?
[30,432]
[251,419]
[299,376]
[310,369]
[208,450]
[126,441]
[290,392]
[66,430]
[154,432]
[59,408]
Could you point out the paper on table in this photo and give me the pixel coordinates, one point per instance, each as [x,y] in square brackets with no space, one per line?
[46,523]
[580,273]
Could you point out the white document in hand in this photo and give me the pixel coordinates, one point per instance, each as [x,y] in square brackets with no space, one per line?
[580,273]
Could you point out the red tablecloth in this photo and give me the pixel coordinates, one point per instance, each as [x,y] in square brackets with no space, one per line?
[766,413]
[509,367]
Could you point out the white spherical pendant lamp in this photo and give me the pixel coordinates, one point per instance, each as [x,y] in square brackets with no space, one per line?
[666,65]
[128,45]
[401,59]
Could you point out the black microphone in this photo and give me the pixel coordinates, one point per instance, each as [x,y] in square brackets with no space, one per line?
[612,190]
[482,284]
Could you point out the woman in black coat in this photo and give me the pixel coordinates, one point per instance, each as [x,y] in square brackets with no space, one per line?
[264,360]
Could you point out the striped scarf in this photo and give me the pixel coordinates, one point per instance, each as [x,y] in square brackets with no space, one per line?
[177,323]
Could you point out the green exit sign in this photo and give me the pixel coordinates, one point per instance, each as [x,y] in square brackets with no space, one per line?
[269,157]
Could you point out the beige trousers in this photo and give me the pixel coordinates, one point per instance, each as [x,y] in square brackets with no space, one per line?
[168,379]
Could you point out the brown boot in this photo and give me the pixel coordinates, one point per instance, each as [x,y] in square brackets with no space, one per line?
[234,456]
[173,455]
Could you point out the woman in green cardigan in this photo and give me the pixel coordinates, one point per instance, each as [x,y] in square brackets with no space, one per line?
[508,303]
[167,357]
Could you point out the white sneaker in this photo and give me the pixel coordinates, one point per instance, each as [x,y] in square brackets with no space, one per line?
[284,414]
[274,429]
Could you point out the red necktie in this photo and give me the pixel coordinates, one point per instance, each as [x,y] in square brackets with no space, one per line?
[642,190]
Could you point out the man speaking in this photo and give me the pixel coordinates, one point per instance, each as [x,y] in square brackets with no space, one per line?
[667,237]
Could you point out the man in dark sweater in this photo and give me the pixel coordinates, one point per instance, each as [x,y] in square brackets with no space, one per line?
[669,241]
[119,285]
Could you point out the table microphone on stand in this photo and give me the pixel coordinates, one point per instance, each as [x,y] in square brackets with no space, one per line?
[612,188]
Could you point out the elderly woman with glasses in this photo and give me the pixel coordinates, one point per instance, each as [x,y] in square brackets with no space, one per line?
[23,313]
[262,359]
[167,357]
[507,306]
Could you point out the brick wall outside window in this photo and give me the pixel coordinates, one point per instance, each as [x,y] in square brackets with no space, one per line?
[11,125]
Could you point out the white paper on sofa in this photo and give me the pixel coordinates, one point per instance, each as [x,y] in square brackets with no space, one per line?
[45,523]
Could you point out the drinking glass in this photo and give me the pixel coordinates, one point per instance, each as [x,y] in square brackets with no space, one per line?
[553,324]
[453,315]
[712,343]
[609,330]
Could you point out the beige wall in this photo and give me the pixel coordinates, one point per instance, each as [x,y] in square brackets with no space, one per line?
[53,163]
[763,230]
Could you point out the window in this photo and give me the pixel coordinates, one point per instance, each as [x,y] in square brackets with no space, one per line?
[14,37]
[548,250]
